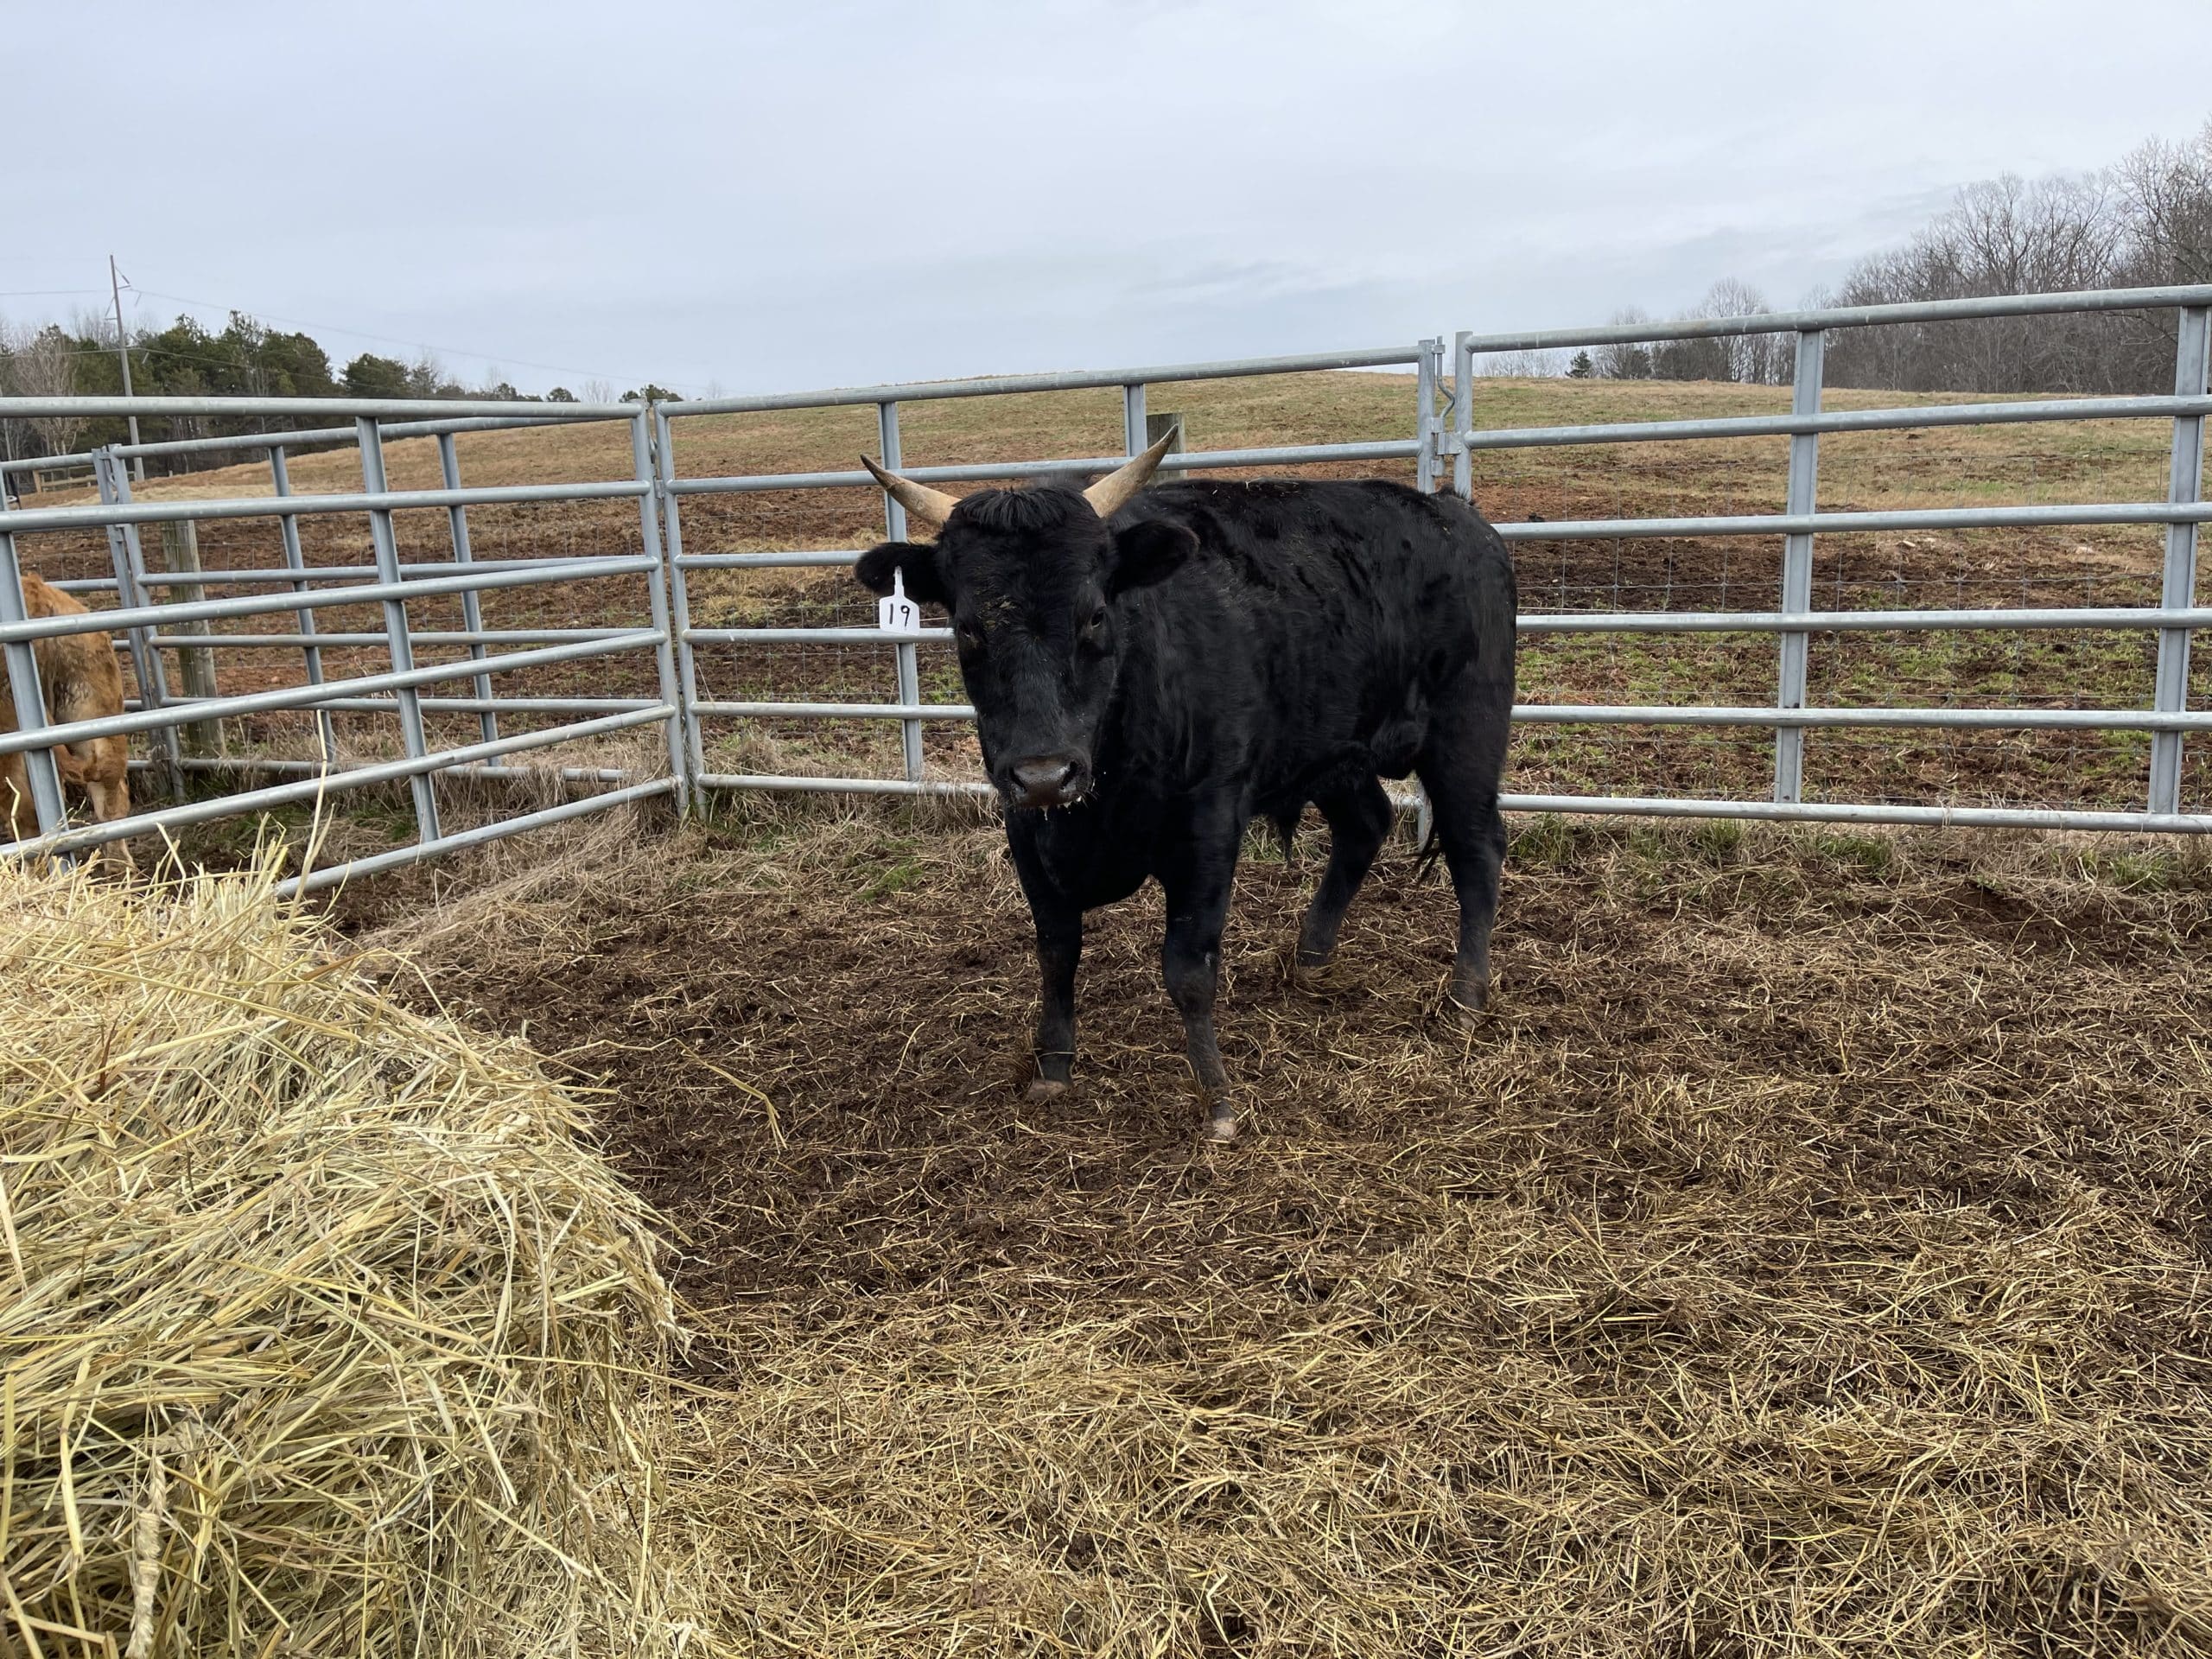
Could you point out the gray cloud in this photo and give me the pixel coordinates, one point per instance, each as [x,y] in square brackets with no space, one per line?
[857,191]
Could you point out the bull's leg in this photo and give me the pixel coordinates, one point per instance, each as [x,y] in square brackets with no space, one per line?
[111,798]
[1190,963]
[1359,823]
[109,790]
[1059,947]
[1460,769]
[1059,919]
[1474,848]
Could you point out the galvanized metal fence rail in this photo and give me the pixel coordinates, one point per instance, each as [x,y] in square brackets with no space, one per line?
[151,625]
[154,625]
[1795,622]
[1424,447]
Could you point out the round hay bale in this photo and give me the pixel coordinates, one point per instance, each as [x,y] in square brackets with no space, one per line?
[323,1331]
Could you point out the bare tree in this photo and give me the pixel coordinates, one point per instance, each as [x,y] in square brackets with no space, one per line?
[2007,236]
[1534,365]
[1628,360]
[2168,192]
[428,377]
[13,434]
[1755,360]
[45,365]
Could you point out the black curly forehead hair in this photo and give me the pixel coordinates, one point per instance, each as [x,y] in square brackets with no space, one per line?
[1022,535]
[1041,509]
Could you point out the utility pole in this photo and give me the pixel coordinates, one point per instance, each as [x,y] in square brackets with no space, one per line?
[123,354]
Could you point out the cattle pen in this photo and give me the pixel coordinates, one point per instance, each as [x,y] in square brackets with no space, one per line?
[165,613]
[1807,1255]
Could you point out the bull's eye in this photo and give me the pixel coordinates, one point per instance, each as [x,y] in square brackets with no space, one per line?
[1096,628]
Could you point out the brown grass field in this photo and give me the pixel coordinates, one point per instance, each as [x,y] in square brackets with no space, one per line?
[2107,461]
[1811,1253]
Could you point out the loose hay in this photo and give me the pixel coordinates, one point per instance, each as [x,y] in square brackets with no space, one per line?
[1808,1256]
[322,1333]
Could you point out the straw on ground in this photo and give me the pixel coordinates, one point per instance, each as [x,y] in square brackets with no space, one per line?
[321,1330]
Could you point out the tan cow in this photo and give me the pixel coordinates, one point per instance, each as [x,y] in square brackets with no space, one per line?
[82,681]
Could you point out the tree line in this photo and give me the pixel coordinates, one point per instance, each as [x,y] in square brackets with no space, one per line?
[187,359]
[2145,222]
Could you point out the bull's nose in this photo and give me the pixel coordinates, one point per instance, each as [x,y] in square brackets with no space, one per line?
[1048,780]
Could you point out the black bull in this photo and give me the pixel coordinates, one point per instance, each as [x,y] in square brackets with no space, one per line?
[1147,684]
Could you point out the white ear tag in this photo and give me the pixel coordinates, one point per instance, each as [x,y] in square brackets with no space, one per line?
[895,613]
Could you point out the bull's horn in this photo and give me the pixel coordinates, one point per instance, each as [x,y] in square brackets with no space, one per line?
[932,507]
[1112,492]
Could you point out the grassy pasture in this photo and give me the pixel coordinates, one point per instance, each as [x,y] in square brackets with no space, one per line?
[2103,461]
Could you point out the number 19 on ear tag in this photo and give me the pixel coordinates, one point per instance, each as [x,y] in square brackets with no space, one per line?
[895,613]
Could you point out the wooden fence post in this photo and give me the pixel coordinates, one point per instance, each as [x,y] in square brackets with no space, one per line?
[196,664]
[1157,427]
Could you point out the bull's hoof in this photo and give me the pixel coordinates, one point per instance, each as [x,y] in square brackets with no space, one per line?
[1042,1090]
[1467,1007]
[1221,1123]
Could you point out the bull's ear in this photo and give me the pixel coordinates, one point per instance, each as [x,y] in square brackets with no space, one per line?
[1148,551]
[916,563]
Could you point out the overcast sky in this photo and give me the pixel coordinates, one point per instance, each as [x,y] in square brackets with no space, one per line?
[753,197]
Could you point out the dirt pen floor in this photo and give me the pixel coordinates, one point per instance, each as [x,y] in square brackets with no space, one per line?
[1808,1256]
